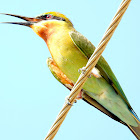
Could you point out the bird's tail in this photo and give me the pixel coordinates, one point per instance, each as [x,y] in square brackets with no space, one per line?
[135,130]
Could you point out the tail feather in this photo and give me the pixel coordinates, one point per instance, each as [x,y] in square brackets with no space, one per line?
[135,116]
[135,130]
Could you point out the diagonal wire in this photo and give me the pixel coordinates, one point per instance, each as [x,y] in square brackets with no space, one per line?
[87,69]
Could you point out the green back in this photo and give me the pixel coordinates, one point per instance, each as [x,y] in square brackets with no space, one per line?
[87,48]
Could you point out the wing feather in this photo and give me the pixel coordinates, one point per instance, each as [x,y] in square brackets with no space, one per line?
[87,48]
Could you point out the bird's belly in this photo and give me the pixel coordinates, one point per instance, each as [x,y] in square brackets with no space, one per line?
[70,59]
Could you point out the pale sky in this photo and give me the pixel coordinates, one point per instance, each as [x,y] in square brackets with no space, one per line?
[31,98]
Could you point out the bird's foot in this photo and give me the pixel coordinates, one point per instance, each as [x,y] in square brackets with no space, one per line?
[67,101]
[80,95]
[89,76]
[82,70]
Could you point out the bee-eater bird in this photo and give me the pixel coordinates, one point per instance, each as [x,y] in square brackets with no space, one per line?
[70,51]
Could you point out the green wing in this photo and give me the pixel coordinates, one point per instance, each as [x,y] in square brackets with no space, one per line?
[88,48]
[62,78]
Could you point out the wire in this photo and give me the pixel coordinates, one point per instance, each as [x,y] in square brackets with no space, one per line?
[87,69]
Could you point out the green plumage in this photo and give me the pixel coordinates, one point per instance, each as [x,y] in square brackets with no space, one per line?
[114,99]
[71,51]
[88,48]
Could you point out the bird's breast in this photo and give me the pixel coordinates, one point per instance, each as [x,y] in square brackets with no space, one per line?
[69,58]
[66,55]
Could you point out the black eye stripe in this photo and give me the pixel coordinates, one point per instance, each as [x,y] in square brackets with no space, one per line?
[52,17]
[58,18]
[42,17]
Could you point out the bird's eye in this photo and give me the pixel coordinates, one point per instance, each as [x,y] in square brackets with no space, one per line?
[48,16]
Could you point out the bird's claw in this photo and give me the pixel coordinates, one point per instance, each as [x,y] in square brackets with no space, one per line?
[89,76]
[67,101]
[82,70]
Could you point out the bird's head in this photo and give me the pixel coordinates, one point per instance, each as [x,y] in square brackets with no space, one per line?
[44,23]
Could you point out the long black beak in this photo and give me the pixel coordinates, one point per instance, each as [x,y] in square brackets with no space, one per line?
[29,21]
